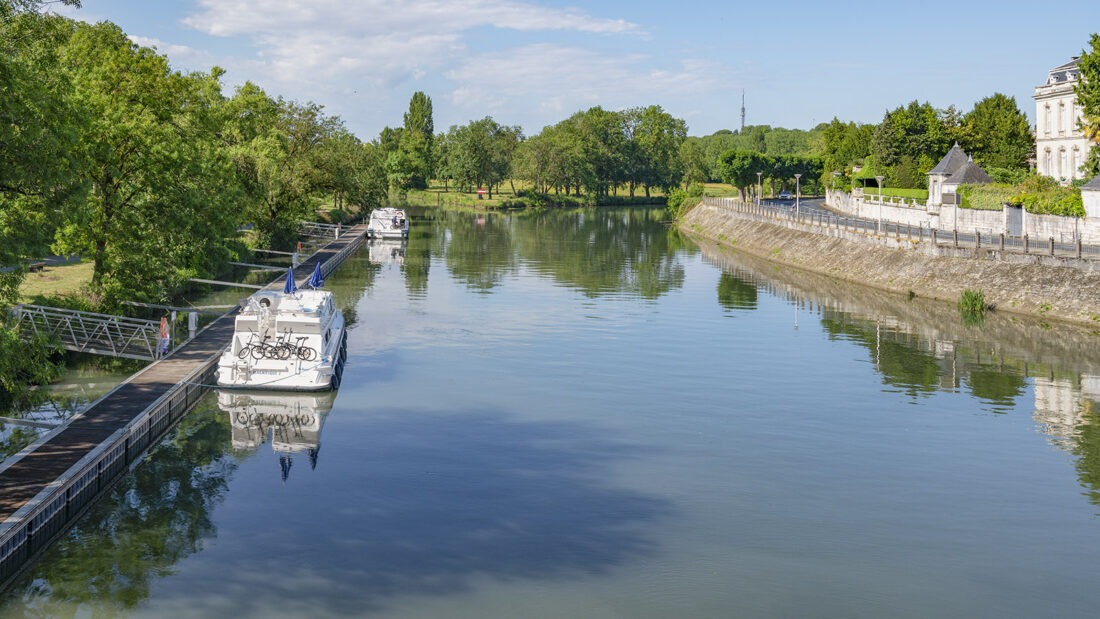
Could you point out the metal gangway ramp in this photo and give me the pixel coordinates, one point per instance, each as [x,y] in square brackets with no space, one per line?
[317,230]
[101,334]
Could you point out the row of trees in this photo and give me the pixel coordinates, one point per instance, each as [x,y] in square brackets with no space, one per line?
[149,172]
[596,151]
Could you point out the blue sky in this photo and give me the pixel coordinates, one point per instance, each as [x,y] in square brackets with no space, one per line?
[533,62]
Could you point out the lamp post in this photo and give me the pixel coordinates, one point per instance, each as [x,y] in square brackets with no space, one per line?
[797,193]
[880,179]
[759,186]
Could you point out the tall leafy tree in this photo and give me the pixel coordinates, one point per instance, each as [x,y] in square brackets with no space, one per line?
[911,139]
[739,168]
[160,187]
[416,140]
[1088,97]
[660,135]
[481,153]
[997,134]
[39,135]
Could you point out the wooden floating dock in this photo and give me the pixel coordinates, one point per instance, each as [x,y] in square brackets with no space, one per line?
[45,487]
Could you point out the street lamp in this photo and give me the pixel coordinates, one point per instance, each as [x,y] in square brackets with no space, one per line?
[759,186]
[880,200]
[797,192]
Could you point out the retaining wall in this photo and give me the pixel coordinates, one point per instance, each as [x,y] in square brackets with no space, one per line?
[1051,287]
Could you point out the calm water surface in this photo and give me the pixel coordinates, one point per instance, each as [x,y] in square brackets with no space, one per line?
[587,415]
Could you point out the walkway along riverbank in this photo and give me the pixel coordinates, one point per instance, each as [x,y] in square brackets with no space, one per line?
[45,487]
[1055,284]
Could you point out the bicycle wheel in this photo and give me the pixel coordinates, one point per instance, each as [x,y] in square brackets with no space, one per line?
[305,353]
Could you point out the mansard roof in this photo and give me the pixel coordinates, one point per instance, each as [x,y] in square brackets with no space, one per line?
[1065,73]
[1093,185]
[969,174]
[951,162]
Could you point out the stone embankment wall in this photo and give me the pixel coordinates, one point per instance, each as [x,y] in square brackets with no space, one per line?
[1064,290]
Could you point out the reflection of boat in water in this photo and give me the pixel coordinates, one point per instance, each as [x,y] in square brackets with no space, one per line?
[388,223]
[286,341]
[387,251]
[290,421]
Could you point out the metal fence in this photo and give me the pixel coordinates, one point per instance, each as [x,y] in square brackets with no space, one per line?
[1071,247]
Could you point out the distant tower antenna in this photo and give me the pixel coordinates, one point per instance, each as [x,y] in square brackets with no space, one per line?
[742,110]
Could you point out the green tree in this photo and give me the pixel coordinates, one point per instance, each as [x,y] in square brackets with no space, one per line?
[739,168]
[416,139]
[659,136]
[693,162]
[997,134]
[160,206]
[480,154]
[39,136]
[1087,90]
[911,139]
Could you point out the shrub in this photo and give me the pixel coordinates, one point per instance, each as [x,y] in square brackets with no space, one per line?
[972,306]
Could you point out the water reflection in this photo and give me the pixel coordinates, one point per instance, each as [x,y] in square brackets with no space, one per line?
[597,251]
[736,292]
[290,422]
[147,523]
[417,503]
[921,347]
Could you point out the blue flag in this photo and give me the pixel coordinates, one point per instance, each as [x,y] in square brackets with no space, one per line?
[316,280]
[290,285]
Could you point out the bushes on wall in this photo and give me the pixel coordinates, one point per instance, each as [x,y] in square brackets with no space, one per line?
[1039,195]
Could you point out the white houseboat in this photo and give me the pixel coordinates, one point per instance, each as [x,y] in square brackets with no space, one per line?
[388,223]
[292,340]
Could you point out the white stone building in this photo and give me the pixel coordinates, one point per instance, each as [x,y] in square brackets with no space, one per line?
[1060,146]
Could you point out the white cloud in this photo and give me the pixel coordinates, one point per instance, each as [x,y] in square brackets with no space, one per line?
[178,53]
[385,16]
[557,81]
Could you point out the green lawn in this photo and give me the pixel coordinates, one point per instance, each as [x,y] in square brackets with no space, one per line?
[56,280]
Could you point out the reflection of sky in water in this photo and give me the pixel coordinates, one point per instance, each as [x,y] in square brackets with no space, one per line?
[744,441]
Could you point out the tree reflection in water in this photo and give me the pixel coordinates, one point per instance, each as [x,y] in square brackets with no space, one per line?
[411,503]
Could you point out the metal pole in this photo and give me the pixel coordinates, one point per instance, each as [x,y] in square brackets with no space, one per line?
[797,192]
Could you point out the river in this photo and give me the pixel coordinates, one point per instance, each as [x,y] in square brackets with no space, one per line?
[587,414]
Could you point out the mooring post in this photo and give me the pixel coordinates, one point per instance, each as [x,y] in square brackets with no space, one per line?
[1025,244]
[1078,247]
[1052,246]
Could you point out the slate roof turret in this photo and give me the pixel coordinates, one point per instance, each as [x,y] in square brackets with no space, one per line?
[969,174]
[952,162]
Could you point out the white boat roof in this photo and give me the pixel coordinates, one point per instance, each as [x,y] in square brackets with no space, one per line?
[300,302]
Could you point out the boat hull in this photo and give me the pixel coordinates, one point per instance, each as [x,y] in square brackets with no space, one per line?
[308,319]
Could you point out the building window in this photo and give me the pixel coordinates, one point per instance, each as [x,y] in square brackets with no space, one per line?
[1046,119]
[1048,163]
[1061,117]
